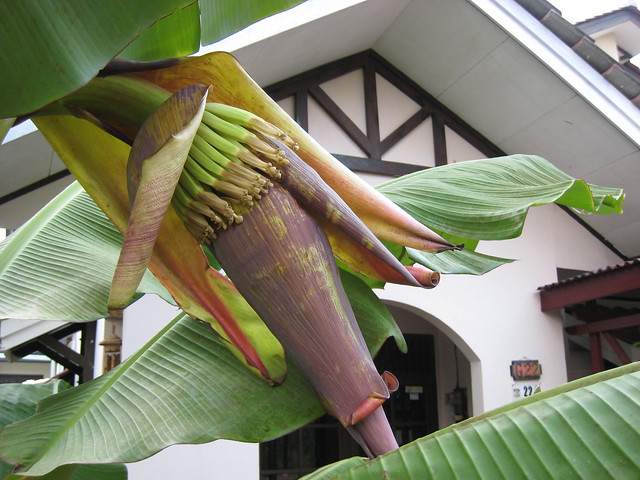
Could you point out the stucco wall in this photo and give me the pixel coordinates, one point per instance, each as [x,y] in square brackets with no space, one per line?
[16,212]
[493,319]
[36,369]
[496,318]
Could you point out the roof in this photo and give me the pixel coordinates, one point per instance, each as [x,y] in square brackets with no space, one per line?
[577,37]
[625,22]
[491,62]
[602,302]
[619,281]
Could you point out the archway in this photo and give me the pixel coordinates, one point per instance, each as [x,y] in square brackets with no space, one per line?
[457,367]
[439,364]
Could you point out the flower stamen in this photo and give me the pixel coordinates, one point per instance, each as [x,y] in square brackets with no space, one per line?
[231,164]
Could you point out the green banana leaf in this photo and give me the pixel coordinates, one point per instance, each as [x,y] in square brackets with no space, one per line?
[5,125]
[69,42]
[488,199]
[175,35]
[452,261]
[59,265]
[587,429]
[463,261]
[184,386]
[19,401]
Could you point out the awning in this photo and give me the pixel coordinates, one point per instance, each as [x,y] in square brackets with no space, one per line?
[605,303]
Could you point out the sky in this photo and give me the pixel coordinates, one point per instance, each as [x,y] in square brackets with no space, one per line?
[578,10]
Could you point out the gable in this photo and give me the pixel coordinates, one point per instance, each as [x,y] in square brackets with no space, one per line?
[375,119]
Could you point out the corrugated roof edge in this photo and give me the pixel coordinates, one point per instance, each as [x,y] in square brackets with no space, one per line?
[630,264]
[624,80]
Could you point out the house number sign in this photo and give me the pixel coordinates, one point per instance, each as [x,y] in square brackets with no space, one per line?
[525,370]
[526,374]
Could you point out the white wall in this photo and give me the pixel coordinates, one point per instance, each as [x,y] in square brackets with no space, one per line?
[41,369]
[608,43]
[497,317]
[220,460]
[16,212]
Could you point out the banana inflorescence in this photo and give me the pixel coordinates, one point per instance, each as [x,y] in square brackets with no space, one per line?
[246,194]
[229,166]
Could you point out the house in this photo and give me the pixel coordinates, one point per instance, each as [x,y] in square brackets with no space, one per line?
[391,87]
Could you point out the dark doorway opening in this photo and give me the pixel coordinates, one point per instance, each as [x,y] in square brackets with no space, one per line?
[412,411]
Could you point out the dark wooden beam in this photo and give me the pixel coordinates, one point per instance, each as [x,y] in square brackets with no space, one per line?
[473,137]
[60,353]
[371,111]
[592,287]
[34,186]
[88,350]
[370,59]
[317,76]
[439,140]
[341,118]
[605,325]
[403,130]
[302,109]
[359,164]
[617,348]
[597,362]
[421,97]
[592,312]
[49,344]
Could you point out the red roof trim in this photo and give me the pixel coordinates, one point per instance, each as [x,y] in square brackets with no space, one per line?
[601,283]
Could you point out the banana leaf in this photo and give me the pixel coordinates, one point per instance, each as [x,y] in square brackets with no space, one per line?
[59,265]
[19,401]
[488,199]
[47,36]
[589,428]
[183,386]
[463,262]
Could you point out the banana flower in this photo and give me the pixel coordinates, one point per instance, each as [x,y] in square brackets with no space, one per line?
[219,164]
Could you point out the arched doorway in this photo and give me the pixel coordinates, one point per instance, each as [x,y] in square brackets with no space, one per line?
[430,374]
[454,362]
